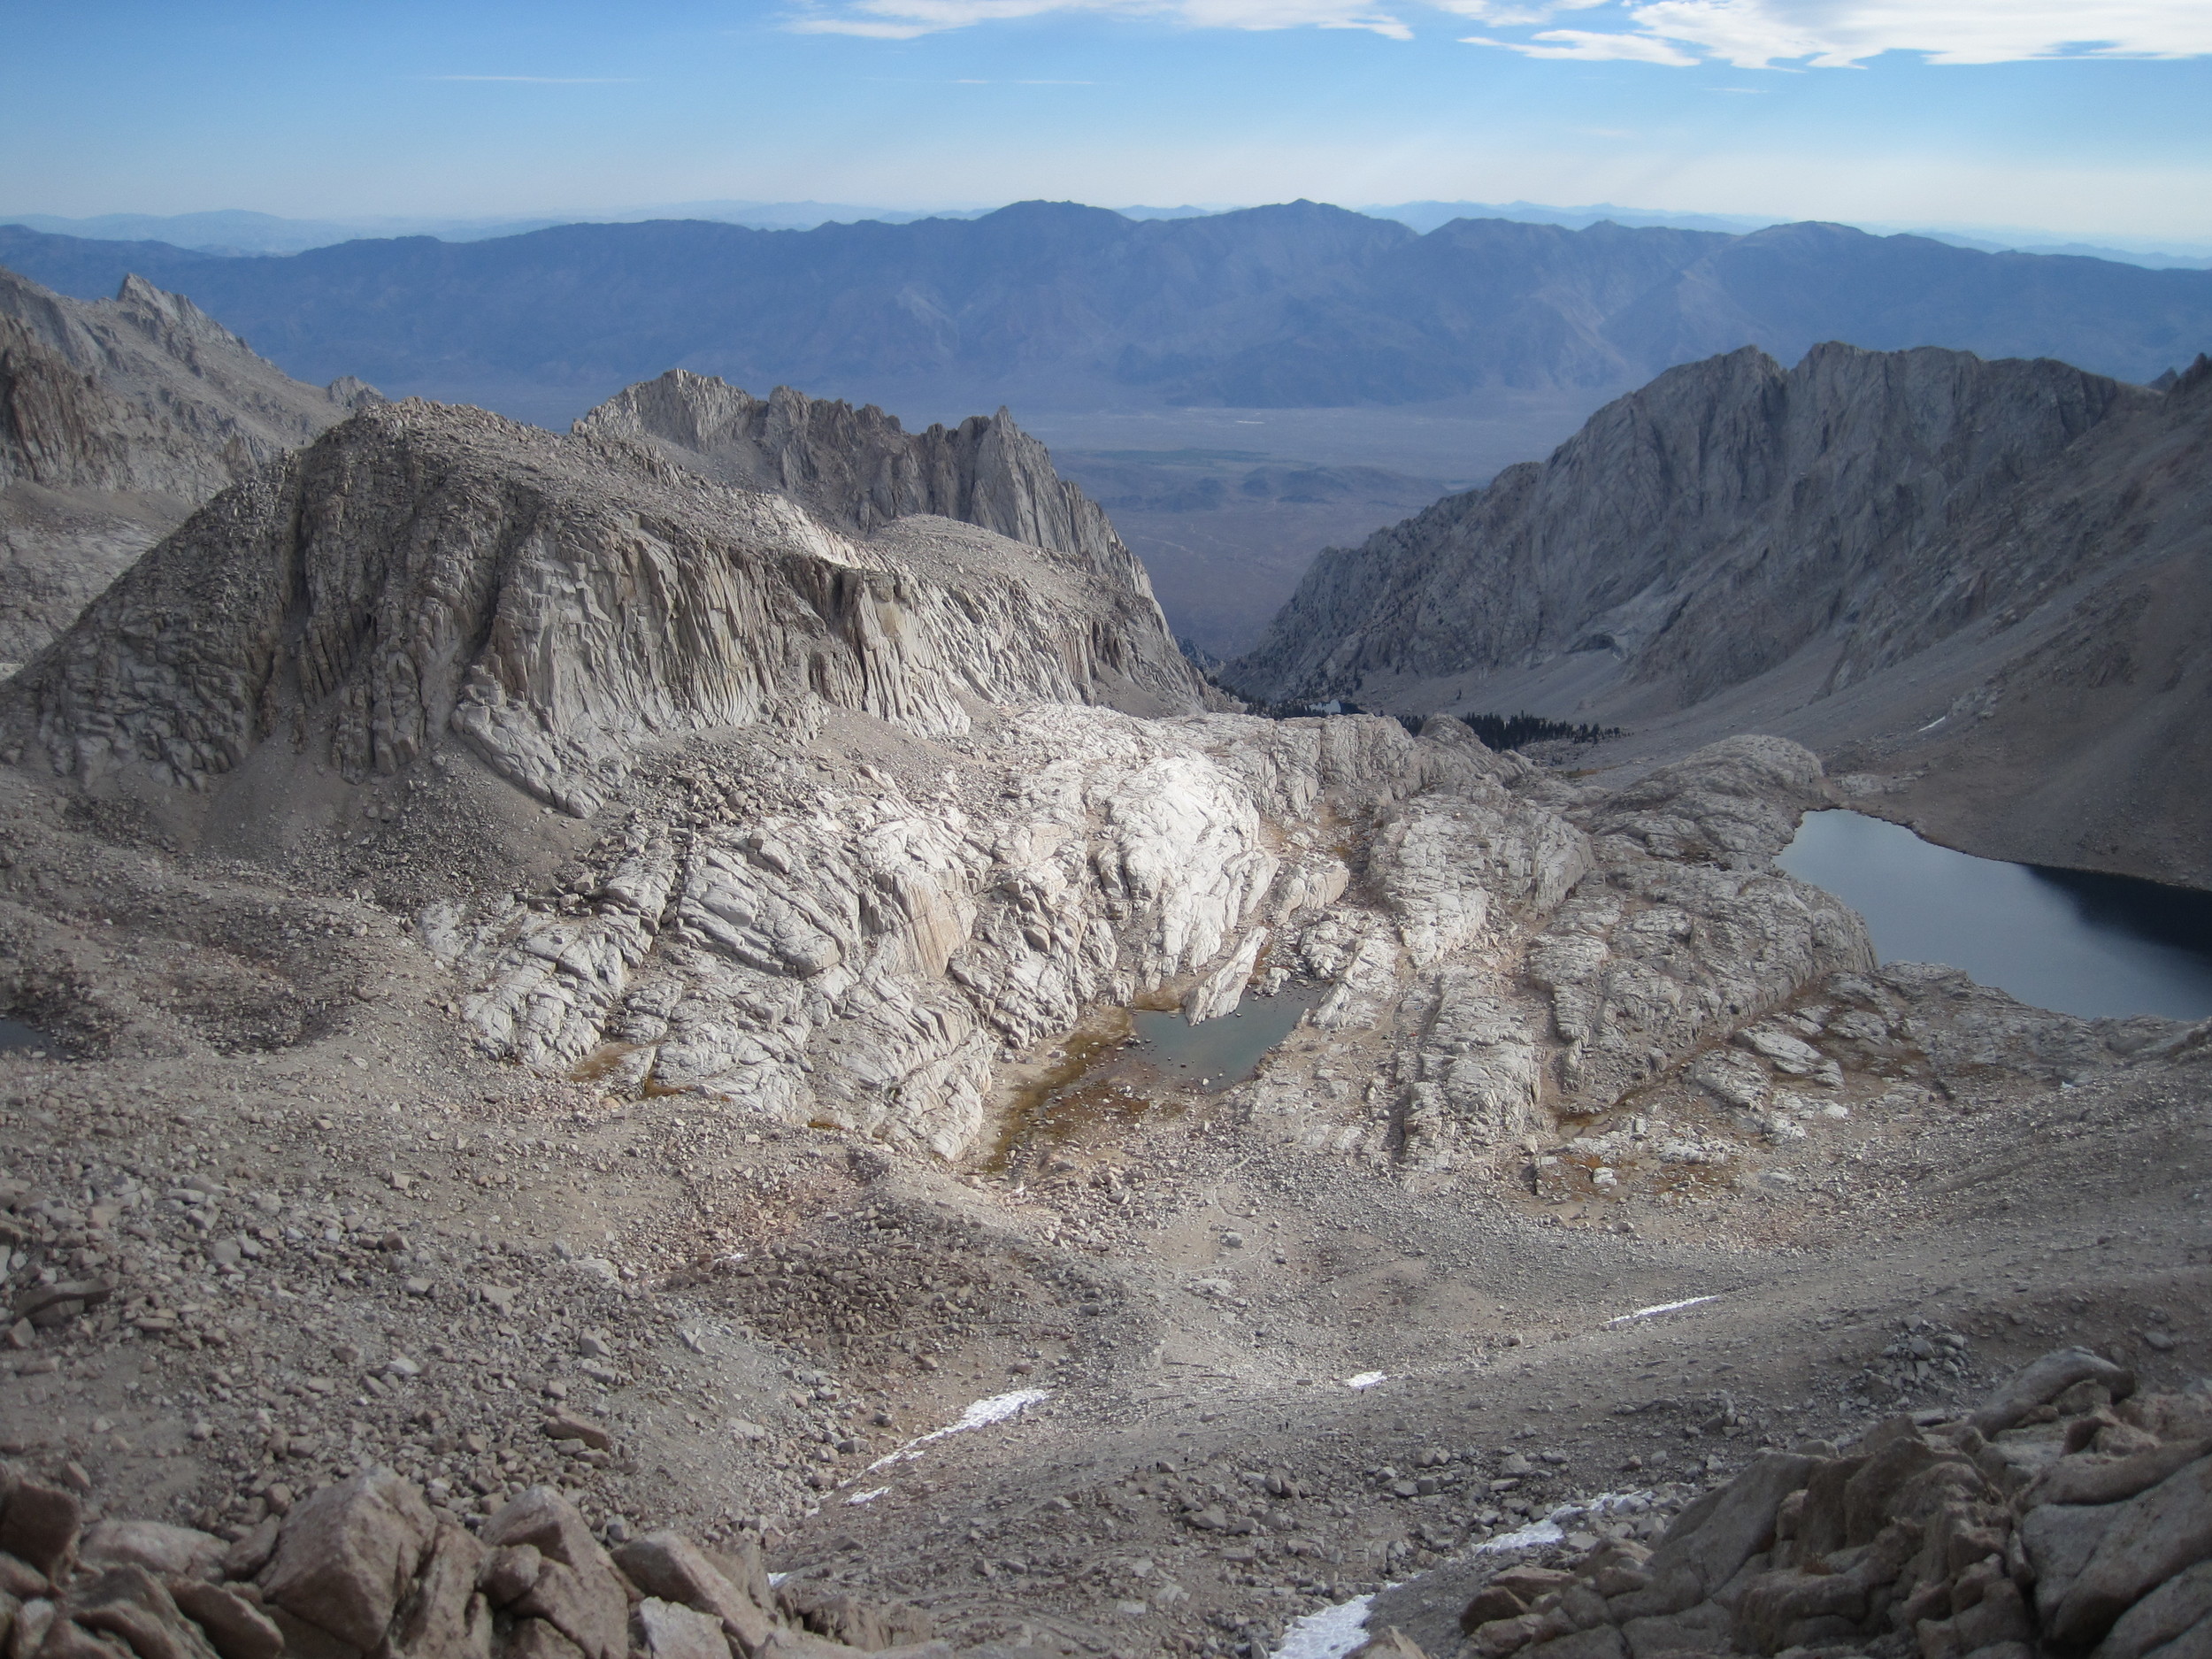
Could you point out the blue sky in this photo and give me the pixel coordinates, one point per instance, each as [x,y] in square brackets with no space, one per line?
[1958,113]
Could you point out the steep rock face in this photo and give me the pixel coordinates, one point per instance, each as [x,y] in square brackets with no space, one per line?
[555,601]
[1699,531]
[2064,715]
[858,469]
[116,419]
[1976,586]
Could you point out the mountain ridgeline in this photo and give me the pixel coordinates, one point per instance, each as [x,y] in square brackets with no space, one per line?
[117,418]
[859,470]
[1053,305]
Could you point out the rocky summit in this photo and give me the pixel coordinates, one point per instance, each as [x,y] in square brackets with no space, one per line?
[117,419]
[696,1038]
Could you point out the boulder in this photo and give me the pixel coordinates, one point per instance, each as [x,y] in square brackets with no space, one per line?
[2164,1616]
[589,1615]
[669,1630]
[2089,1479]
[153,1545]
[130,1604]
[250,1555]
[1710,1540]
[2152,1537]
[444,1616]
[20,1579]
[1699,1630]
[2057,1540]
[2044,1380]
[856,1622]
[1492,1602]
[1999,1618]
[669,1565]
[346,1554]
[1600,1642]
[1504,1636]
[235,1628]
[508,1573]
[66,1638]
[580,1581]
[39,1526]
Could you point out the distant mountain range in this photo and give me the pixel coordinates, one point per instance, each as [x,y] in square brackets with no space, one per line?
[1045,305]
[237,231]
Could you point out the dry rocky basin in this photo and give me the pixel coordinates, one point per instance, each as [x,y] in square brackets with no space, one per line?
[582,1098]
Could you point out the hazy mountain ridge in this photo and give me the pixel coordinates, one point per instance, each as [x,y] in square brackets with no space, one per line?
[1042,304]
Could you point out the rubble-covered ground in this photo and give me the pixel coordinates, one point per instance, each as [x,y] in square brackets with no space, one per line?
[1603,1194]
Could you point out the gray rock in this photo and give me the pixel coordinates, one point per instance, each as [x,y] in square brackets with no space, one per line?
[2166,1615]
[1600,1642]
[40,1524]
[670,1566]
[1710,1541]
[2151,1537]
[578,1591]
[153,1545]
[124,415]
[131,1603]
[348,1553]
[668,1630]
[2042,1382]
[235,1628]
[2091,1478]
[445,1617]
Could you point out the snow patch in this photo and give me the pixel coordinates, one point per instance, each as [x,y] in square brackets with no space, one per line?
[869,1496]
[1553,1528]
[1330,1633]
[1367,1380]
[1660,1308]
[1335,1632]
[982,1415]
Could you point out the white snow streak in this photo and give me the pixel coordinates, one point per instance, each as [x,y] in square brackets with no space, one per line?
[1664,1307]
[1330,1633]
[982,1415]
[1335,1632]
[869,1496]
[1366,1379]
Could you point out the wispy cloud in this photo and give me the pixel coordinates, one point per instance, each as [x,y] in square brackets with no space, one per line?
[1748,34]
[1591,46]
[547,81]
[907,19]
[1845,34]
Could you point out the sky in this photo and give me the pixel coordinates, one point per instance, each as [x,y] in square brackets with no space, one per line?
[2087,119]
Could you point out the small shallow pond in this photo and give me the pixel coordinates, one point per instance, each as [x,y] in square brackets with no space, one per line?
[15,1034]
[1113,1077]
[2069,940]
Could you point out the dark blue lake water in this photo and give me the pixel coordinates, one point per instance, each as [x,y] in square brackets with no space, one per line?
[2062,939]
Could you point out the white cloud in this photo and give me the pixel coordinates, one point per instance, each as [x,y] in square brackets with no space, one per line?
[1749,34]
[1841,34]
[906,19]
[1589,46]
